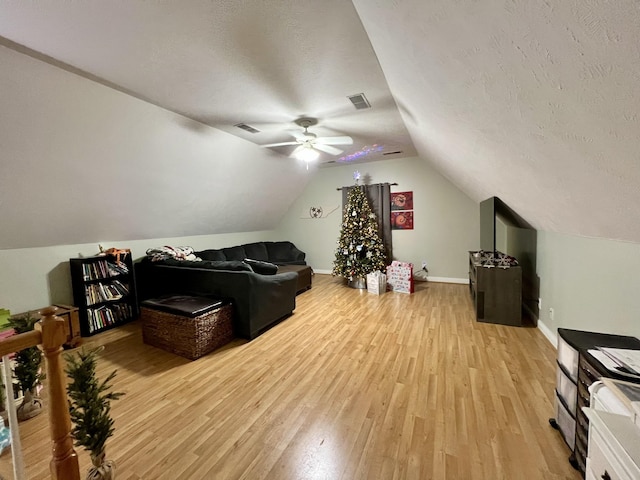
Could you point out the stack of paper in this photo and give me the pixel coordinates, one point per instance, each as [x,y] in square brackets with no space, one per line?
[625,358]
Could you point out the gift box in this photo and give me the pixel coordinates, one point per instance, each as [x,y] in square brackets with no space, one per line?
[376,283]
[400,277]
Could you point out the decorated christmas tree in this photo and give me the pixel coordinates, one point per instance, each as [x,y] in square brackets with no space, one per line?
[360,250]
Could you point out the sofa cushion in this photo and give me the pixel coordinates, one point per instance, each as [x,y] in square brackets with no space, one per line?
[305,274]
[214,255]
[256,251]
[233,265]
[234,253]
[263,268]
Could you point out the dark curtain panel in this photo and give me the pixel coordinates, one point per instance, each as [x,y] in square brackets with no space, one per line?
[379,196]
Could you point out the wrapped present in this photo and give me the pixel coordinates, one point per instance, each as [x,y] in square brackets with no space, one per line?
[400,277]
[376,283]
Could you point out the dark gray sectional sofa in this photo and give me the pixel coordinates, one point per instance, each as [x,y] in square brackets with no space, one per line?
[244,274]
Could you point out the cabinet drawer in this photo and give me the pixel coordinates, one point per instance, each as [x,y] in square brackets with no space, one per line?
[588,373]
[567,390]
[601,461]
[566,423]
[568,358]
[589,475]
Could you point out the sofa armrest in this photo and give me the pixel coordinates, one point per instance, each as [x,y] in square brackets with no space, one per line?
[297,255]
[285,253]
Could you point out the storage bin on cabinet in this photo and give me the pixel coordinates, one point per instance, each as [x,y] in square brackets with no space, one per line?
[577,370]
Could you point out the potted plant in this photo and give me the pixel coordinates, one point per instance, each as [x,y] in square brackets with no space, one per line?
[27,369]
[90,407]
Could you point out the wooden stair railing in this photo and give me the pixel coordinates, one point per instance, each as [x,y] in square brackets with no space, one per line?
[49,335]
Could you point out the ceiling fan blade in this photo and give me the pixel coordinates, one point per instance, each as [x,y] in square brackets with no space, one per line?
[281,144]
[327,149]
[334,140]
[297,135]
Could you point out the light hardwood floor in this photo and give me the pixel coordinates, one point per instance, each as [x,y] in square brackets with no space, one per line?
[351,386]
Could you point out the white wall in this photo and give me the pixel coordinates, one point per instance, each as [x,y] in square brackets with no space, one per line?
[32,278]
[446,221]
[80,162]
[591,283]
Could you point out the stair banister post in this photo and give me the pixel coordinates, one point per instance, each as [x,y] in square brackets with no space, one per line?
[64,462]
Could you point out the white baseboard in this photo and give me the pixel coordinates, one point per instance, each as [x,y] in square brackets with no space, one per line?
[464,281]
[547,332]
[430,279]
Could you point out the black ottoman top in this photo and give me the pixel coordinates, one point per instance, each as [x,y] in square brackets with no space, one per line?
[185,305]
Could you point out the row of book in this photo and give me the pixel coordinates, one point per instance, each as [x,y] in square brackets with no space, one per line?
[105,292]
[103,269]
[107,315]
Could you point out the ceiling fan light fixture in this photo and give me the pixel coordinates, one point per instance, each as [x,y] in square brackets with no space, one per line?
[307,154]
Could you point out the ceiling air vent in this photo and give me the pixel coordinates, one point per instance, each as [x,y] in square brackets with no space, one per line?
[359,101]
[247,128]
[392,153]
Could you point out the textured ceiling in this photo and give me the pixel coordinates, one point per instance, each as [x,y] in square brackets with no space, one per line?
[534,102]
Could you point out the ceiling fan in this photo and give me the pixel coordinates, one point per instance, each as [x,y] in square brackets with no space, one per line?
[309,144]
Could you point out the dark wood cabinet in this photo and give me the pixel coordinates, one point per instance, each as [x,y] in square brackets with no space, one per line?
[71,322]
[496,291]
[577,369]
[104,290]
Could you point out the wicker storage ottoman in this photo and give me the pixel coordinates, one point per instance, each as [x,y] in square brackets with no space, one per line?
[185,325]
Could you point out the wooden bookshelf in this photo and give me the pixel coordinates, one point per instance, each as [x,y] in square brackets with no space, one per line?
[104,291]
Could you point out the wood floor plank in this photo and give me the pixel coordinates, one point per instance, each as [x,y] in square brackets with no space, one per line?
[351,386]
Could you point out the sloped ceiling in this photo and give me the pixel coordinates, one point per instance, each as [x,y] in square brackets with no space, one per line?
[534,102]
[87,156]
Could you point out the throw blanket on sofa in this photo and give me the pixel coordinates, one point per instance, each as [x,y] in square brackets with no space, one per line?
[177,253]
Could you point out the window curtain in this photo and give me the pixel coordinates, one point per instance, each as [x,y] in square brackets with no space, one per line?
[379,197]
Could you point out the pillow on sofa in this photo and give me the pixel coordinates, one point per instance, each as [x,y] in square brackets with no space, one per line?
[235,265]
[256,251]
[213,255]
[234,253]
[263,268]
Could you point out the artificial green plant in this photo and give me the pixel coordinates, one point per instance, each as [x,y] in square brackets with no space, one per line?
[89,401]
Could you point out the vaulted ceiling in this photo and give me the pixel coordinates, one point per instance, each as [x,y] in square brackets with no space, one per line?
[534,102]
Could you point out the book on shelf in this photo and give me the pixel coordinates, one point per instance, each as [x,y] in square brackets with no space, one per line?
[117,268]
[107,315]
[103,269]
[105,292]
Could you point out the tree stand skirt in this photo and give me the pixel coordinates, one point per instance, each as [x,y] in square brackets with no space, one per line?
[358,282]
